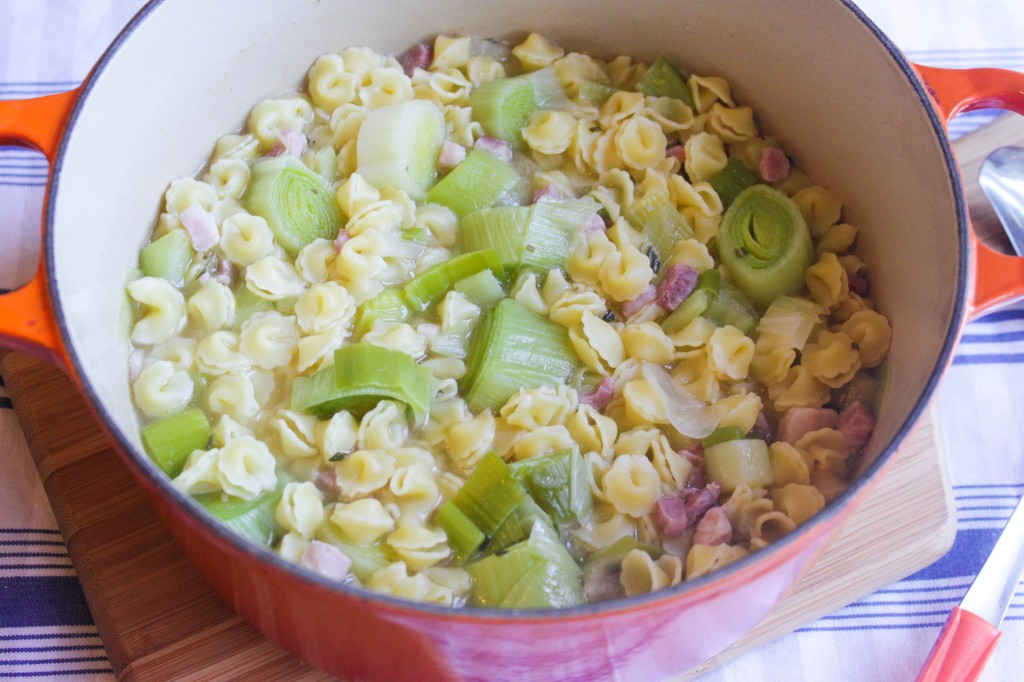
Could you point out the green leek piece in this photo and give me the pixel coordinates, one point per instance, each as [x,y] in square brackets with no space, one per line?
[791,320]
[603,568]
[362,376]
[765,245]
[463,535]
[252,519]
[453,343]
[596,93]
[731,307]
[536,573]
[490,493]
[502,107]
[416,234]
[483,288]
[428,287]
[168,257]
[298,204]
[200,384]
[665,80]
[476,183]
[688,311]
[518,525]
[659,222]
[248,304]
[552,230]
[539,236]
[738,462]
[721,435]
[729,182]
[171,440]
[325,164]
[389,306]
[397,146]
[366,559]
[862,388]
[559,483]
[500,228]
[515,348]
[709,281]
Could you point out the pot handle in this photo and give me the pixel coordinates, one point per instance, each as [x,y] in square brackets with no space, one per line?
[998,277]
[26,316]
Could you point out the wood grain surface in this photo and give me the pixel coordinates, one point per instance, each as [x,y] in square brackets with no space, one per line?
[160,621]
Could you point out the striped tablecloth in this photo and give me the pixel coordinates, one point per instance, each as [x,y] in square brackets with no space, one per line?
[48,46]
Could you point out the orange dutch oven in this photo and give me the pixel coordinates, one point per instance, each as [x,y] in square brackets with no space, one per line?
[857,116]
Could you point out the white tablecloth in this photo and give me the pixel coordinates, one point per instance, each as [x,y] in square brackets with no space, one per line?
[48,46]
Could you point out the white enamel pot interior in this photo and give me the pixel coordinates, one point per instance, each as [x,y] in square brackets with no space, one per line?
[821,78]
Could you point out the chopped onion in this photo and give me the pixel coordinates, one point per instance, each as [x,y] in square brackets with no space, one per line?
[687,414]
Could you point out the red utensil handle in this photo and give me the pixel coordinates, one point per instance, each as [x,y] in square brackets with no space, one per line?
[26,317]
[998,278]
[962,649]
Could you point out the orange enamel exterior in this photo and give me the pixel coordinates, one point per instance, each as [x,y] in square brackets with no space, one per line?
[26,319]
[998,278]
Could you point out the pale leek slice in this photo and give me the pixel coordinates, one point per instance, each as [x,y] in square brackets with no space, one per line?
[252,519]
[429,286]
[688,415]
[663,79]
[479,181]
[397,146]
[362,376]
[765,245]
[170,441]
[515,348]
[739,462]
[483,288]
[502,107]
[298,205]
[168,257]
[366,559]
[661,224]
[791,319]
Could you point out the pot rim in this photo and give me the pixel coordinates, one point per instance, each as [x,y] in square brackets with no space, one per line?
[754,563]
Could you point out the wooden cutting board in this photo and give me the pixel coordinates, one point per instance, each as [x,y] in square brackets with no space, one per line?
[160,621]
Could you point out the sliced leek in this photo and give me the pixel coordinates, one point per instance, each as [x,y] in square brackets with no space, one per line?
[515,348]
[765,245]
[171,440]
[168,257]
[362,376]
[490,494]
[397,146]
[743,461]
[298,204]
[479,181]
[429,286]
[729,182]
[663,79]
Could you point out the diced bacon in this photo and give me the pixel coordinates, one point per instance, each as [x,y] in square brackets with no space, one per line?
[595,224]
[499,148]
[294,142]
[714,528]
[327,481]
[418,57]
[600,396]
[798,421]
[695,455]
[670,515]
[629,308]
[773,165]
[764,427]
[677,285]
[450,156]
[339,241]
[699,500]
[276,149]
[550,192]
[856,423]
[677,152]
[326,560]
[860,285]
[201,227]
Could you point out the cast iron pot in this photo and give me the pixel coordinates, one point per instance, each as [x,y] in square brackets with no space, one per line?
[855,114]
